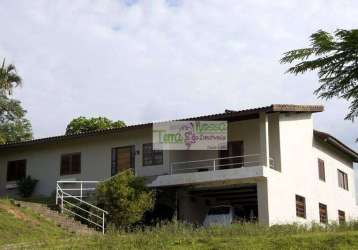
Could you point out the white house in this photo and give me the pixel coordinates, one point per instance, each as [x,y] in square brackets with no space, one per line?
[277,168]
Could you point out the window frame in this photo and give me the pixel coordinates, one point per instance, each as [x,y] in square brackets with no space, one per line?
[298,214]
[152,154]
[341,214]
[16,171]
[323,213]
[70,167]
[343,182]
[321,170]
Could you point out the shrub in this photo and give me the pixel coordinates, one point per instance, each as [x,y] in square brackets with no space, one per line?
[26,186]
[125,197]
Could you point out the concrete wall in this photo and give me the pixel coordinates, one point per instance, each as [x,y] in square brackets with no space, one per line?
[329,192]
[43,161]
[246,131]
[299,175]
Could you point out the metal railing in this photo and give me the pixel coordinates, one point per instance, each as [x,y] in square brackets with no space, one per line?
[78,189]
[72,203]
[220,163]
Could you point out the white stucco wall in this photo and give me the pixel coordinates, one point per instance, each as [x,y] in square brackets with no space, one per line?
[299,175]
[329,192]
[246,131]
[43,161]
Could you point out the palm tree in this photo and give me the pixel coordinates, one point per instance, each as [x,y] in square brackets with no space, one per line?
[8,78]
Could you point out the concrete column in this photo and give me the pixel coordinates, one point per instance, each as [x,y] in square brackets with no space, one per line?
[264,139]
[262,202]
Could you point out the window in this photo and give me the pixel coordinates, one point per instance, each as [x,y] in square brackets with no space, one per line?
[342,180]
[321,170]
[300,206]
[341,217]
[70,164]
[16,170]
[322,213]
[150,156]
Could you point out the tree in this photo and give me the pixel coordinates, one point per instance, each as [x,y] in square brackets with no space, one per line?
[335,56]
[125,197]
[83,124]
[9,79]
[14,127]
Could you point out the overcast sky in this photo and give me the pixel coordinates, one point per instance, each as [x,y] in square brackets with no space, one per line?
[142,61]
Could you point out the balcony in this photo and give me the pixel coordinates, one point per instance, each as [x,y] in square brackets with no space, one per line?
[242,167]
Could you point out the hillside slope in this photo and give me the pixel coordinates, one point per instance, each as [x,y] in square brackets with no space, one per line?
[23,228]
[22,225]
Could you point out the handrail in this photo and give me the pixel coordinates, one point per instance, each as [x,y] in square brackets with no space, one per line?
[86,203]
[214,163]
[212,159]
[62,195]
[77,181]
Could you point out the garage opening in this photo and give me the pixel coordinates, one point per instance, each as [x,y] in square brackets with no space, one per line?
[242,199]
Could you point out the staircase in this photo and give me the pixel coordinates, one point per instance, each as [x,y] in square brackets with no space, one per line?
[71,198]
[65,222]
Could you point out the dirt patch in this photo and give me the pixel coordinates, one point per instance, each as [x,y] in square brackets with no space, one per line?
[17,213]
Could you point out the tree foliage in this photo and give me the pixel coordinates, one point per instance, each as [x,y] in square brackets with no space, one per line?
[125,197]
[9,79]
[14,127]
[26,186]
[335,56]
[83,124]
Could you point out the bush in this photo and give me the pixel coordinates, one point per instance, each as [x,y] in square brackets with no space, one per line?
[125,197]
[26,186]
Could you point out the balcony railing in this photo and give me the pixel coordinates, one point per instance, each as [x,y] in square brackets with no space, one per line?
[219,164]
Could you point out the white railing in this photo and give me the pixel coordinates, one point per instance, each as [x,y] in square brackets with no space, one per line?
[78,189]
[69,202]
[219,163]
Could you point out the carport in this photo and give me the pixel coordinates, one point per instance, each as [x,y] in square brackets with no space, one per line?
[194,203]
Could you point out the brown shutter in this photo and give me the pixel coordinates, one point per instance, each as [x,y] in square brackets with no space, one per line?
[76,163]
[321,170]
[300,206]
[341,217]
[342,179]
[16,170]
[323,213]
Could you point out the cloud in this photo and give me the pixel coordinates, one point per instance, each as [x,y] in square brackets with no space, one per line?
[154,60]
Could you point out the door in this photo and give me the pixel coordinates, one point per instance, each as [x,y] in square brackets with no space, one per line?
[234,148]
[122,159]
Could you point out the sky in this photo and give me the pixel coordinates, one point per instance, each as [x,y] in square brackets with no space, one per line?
[141,61]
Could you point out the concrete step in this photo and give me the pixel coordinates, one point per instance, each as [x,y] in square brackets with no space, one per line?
[61,219]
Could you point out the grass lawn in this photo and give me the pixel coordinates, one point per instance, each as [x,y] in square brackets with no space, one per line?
[20,227]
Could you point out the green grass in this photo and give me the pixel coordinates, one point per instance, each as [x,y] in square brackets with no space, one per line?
[37,232]
[20,225]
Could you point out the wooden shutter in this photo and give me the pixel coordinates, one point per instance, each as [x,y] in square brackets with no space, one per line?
[300,206]
[341,217]
[342,180]
[65,165]
[323,213]
[321,170]
[76,163]
[70,164]
[113,162]
[16,170]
